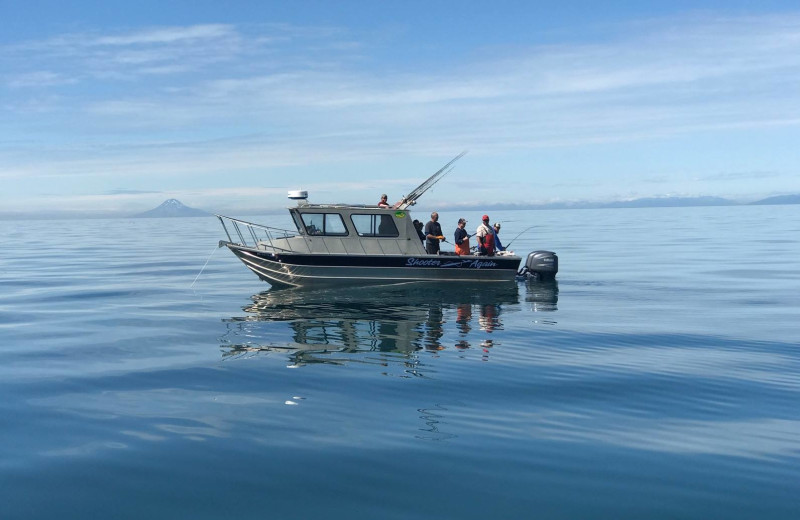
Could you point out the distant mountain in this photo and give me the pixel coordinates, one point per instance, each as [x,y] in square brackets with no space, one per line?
[648,202]
[652,202]
[780,199]
[670,202]
[172,208]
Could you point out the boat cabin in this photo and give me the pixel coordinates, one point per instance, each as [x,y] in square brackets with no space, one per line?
[341,229]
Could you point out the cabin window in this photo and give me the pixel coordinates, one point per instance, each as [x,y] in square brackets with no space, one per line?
[297,222]
[319,224]
[374,225]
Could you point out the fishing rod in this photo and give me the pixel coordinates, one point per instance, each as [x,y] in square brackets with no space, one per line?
[516,237]
[411,198]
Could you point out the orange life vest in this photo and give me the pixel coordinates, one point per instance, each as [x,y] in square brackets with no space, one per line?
[463,247]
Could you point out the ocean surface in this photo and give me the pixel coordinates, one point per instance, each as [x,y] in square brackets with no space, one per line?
[659,377]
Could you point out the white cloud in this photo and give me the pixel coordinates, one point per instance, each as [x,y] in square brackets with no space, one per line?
[42,78]
[169,35]
[205,99]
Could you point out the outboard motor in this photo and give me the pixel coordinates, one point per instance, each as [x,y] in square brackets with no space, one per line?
[542,265]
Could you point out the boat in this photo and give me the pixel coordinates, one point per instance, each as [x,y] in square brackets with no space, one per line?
[359,244]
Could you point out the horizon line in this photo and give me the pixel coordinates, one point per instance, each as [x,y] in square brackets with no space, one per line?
[639,203]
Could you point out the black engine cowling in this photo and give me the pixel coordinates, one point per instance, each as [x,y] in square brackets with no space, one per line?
[543,265]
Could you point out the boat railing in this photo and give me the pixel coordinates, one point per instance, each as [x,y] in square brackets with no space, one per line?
[250,234]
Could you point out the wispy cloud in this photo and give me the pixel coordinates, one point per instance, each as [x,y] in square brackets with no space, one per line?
[124,191]
[748,175]
[133,55]
[204,99]
[169,35]
[42,78]
[665,73]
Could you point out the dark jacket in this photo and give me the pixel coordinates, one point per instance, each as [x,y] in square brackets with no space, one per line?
[432,244]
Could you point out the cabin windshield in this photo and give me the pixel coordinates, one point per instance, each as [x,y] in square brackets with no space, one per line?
[330,224]
[374,225]
[297,222]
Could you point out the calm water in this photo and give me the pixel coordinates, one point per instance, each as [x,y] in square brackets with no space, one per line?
[659,378]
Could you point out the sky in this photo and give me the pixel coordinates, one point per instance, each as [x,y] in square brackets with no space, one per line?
[112,107]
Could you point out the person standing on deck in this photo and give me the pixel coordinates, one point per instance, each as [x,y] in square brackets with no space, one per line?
[498,246]
[433,234]
[461,238]
[418,228]
[384,201]
[485,235]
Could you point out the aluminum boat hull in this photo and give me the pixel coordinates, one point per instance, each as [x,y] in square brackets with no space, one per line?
[300,270]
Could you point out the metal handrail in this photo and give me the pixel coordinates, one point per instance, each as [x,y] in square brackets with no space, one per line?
[257,232]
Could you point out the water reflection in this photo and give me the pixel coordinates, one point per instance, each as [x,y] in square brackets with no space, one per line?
[338,325]
[433,420]
[542,295]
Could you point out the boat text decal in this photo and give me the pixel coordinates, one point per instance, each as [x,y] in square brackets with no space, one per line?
[436,262]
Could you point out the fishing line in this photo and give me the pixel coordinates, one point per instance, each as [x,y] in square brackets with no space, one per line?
[204,266]
[516,237]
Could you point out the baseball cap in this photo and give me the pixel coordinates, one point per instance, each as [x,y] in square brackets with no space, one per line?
[485,217]
[462,220]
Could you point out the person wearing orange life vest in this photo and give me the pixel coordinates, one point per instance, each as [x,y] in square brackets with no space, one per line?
[461,238]
[485,235]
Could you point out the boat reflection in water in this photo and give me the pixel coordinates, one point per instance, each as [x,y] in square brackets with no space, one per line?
[542,295]
[353,324]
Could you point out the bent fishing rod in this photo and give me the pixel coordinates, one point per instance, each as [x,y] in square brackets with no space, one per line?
[520,234]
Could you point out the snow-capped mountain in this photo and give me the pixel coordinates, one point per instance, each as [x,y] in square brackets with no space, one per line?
[172,208]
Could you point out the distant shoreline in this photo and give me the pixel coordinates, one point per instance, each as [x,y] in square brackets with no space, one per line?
[653,202]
